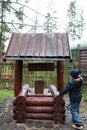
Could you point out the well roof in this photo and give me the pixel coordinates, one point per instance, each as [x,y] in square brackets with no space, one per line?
[38,46]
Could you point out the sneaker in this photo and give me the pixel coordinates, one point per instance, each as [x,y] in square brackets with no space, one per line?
[79,127]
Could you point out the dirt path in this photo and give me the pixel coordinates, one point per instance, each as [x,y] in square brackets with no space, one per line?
[7,122]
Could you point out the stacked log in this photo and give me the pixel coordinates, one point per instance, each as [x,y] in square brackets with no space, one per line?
[59,105]
[32,107]
[20,104]
[39,107]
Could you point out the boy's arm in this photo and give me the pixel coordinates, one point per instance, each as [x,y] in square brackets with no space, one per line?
[66,89]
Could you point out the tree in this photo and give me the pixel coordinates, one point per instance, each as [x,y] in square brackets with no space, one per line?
[76,21]
[50,23]
[34,28]
[3,27]
[6,28]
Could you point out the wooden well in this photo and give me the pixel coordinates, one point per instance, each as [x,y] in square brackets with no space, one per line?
[42,106]
[38,103]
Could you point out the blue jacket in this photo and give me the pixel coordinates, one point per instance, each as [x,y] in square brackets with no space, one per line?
[74,88]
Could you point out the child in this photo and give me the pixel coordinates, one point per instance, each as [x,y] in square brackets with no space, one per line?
[74,88]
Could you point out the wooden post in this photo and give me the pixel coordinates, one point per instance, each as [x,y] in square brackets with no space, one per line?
[59,105]
[18,77]
[60,75]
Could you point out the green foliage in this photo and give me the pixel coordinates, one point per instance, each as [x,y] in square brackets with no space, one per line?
[6,69]
[31,76]
[76,21]
[84,96]
[6,5]
[6,94]
[2,48]
[6,85]
[6,27]
[74,55]
[19,14]
[49,24]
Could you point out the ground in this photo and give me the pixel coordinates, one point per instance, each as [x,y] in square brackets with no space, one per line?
[84,107]
[7,122]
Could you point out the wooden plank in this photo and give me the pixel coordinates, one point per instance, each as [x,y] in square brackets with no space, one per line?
[83,58]
[48,45]
[83,51]
[31,45]
[18,44]
[12,44]
[59,46]
[54,44]
[65,44]
[41,66]
[83,55]
[23,49]
[43,45]
[37,45]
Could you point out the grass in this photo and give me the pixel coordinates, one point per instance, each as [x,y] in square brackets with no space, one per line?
[85,93]
[6,94]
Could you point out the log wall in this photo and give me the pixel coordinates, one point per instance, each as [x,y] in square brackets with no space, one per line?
[83,64]
[38,106]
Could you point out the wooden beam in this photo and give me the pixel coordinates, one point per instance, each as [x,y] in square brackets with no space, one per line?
[39,101]
[18,77]
[41,66]
[60,75]
[35,109]
[39,115]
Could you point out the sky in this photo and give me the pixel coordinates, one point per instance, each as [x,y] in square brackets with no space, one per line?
[41,7]
[61,6]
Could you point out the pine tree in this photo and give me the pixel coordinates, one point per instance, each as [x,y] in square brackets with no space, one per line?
[76,21]
[50,23]
[6,28]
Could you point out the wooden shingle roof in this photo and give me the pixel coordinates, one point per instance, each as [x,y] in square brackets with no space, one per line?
[38,46]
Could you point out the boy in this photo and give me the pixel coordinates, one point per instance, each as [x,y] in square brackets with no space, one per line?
[74,88]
